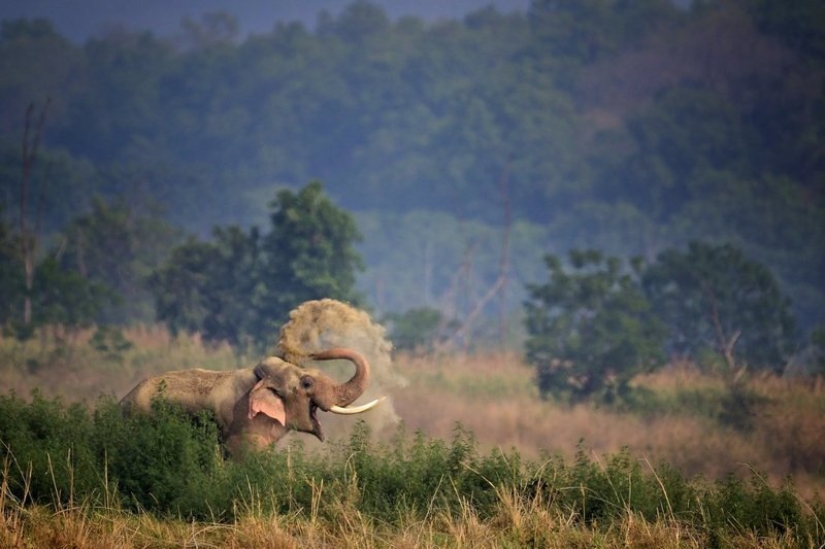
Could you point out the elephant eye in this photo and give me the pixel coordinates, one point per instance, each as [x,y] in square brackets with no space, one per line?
[307,382]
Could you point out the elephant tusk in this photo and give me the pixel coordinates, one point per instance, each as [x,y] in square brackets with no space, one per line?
[356,409]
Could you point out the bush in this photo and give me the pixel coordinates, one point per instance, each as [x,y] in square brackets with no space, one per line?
[591,330]
[165,461]
[709,294]
[418,329]
[47,445]
[170,465]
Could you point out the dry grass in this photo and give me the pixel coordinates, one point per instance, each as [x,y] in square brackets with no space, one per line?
[492,395]
[518,523]
[75,371]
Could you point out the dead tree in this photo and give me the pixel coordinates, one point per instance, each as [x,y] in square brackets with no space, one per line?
[28,236]
[725,343]
[499,286]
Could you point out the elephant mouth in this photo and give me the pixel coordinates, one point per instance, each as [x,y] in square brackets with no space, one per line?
[316,425]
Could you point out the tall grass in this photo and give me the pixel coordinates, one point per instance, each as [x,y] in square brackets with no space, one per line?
[71,477]
[681,416]
[480,461]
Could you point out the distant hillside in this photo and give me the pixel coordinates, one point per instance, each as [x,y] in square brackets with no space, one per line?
[631,127]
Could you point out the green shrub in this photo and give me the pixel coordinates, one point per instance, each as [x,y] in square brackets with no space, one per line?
[418,329]
[590,329]
[47,446]
[734,405]
[171,465]
[164,461]
[734,506]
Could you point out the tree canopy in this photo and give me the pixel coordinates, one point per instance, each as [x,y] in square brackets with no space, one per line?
[632,127]
[241,286]
[714,298]
[590,328]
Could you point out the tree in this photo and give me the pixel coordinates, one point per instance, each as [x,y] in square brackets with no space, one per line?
[714,297]
[209,287]
[241,287]
[590,331]
[11,273]
[685,138]
[62,297]
[59,296]
[180,287]
[118,244]
[308,254]
[418,329]
[29,237]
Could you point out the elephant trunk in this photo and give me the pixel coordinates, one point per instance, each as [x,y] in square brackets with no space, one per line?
[347,392]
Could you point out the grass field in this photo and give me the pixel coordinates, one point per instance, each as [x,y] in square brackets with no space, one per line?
[469,453]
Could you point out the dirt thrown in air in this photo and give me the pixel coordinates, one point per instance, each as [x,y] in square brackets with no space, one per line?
[321,324]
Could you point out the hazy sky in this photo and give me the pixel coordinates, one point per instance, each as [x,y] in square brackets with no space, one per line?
[80,19]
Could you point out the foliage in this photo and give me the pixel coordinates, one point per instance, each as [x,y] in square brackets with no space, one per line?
[209,287]
[609,121]
[731,405]
[59,296]
[818,344]
[95,270]
[117,245]
[590,330]
[11,273]
[685,138]
[50,441]
[60,183]
[110,341]
[417,329]
[63,297]
[308,254]
[710,293]
[240,287]
[171,467]
[164,460]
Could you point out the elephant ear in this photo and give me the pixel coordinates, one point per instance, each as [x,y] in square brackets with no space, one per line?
[262,400]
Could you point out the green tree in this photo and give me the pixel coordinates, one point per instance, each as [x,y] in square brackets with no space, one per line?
[118,245]
[38,63]
[241,286]
[11,274]
[685,138]
[590,330]
[712,297]
[308,254]
[417,329]
[63,297]
[209,287]
[180,286]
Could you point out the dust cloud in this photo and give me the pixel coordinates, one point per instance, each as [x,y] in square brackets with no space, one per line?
[320,324]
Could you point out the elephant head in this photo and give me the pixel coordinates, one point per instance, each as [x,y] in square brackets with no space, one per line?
[292,395]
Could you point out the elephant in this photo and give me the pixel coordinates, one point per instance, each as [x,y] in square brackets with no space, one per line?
[255,407]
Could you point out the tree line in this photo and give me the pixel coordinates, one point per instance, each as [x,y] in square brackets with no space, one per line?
[630,127]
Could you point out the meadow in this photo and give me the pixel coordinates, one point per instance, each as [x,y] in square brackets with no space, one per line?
[464,453]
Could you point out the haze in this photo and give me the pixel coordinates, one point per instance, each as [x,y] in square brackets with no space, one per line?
[86,18]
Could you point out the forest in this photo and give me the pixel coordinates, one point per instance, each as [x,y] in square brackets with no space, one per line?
[464,149]
[587,239]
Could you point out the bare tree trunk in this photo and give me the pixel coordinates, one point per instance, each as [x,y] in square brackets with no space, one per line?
[724,343]
[504,261]
[499,286]
[28,240]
